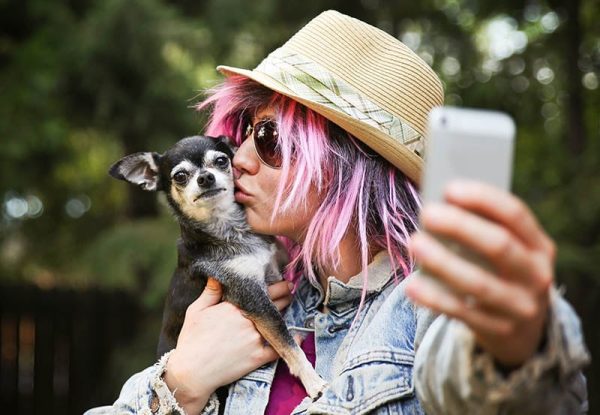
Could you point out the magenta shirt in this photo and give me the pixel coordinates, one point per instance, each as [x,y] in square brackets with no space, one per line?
[287,391]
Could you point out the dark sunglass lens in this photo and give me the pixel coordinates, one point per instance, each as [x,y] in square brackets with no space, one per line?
[265,140]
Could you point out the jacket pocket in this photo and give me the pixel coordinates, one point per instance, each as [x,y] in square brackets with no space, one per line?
[375,380]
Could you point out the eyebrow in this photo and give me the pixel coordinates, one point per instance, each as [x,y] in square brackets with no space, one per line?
[265,114]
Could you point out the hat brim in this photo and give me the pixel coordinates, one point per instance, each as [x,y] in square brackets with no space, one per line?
[396,153]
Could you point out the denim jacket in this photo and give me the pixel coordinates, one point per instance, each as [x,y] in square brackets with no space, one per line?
[394,359]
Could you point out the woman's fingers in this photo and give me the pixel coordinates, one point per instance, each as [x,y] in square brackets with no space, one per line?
[496,262]
[502,207]
[504,250]
[429,294]
[511,341]
[466,278]
[282,303]
[263,355]
[280,294]
[488,239]
[212,294]
[279,289]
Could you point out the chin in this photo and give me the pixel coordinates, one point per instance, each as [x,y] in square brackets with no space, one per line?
[257,223]
[261,225]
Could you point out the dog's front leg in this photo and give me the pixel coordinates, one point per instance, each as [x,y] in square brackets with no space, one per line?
[271,326]
[250,295]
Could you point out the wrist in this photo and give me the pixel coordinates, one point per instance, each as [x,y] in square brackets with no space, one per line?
[190,395]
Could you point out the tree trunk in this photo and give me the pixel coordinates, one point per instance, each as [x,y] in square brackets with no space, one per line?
[575,124]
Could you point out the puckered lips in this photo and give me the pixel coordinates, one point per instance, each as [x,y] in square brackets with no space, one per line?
[241,194]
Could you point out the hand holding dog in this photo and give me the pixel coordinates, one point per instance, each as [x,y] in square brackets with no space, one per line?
[217,345]
[505,305]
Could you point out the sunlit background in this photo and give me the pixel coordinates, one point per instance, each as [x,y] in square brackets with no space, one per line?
[85,260]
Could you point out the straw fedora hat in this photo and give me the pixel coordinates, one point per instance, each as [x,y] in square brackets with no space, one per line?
[362,79]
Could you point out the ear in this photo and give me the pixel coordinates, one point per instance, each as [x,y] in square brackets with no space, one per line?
[225,144]
[140,169]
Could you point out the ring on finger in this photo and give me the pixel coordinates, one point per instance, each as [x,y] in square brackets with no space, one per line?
[470,301]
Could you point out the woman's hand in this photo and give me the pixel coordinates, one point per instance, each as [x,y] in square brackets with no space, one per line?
[217,345]
[504,304]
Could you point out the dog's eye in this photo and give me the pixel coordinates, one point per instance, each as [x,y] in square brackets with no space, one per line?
[180,177]
[222,161]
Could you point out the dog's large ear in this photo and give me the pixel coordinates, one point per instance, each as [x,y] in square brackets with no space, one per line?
[140,169]
[225,145]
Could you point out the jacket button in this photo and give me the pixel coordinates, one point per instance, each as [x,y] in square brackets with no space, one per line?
[309,323]
[335,329]
[350,391]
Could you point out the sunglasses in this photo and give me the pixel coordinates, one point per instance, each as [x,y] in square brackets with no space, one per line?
[265,136]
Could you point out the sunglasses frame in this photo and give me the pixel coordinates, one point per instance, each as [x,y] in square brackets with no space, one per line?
[251,130]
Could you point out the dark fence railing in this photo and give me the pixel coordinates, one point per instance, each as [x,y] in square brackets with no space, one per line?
[55,346]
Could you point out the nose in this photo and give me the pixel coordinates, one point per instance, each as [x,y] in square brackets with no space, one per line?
[206,179]
[245,159]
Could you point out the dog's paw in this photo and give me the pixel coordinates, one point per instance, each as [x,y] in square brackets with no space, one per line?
[315,387]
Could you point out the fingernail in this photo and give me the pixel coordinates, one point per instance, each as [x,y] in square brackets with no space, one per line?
[291,286]
[212,284]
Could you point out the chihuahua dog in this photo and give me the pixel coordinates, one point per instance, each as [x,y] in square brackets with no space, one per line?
[197,177]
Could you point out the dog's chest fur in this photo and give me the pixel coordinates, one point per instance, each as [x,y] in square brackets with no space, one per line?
[251,256]
[260,265]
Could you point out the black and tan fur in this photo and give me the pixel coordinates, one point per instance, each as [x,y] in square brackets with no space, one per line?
[215,241]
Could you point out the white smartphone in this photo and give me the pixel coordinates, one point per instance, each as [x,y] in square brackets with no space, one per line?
[471,144]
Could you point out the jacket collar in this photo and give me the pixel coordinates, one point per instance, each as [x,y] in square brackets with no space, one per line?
[379,273]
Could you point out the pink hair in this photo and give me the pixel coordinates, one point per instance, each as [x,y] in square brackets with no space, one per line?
[362,191]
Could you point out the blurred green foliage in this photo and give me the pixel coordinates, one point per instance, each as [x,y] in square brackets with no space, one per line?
[142,257]
[83,83]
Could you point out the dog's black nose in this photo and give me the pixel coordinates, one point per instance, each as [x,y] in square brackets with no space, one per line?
[206,179]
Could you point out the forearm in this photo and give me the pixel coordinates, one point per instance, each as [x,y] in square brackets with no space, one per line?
[451,377]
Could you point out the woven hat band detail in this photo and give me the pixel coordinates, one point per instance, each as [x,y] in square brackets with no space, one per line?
[310,80]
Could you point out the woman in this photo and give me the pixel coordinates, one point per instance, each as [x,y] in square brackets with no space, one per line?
[330,131]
